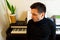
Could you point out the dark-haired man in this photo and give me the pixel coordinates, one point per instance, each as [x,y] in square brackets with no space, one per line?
[39,27]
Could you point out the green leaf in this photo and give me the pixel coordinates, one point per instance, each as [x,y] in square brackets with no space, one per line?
[8,5]
[11,7]
[57,16]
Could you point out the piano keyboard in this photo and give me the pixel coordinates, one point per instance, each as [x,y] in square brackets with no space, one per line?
[58,30]
[19,29]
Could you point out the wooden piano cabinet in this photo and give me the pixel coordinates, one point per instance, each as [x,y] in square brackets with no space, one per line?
[16,36]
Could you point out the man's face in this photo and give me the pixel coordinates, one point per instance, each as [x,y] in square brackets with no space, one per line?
[36,16]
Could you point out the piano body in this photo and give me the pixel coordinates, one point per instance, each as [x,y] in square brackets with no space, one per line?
[17,31]
[57,21]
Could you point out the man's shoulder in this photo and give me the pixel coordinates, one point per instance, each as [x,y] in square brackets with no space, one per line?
[30,21]
[49,20]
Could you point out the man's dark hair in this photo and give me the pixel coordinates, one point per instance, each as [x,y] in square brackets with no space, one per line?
[39,6]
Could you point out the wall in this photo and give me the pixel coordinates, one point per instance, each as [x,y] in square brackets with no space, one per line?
[53,7]
[24,5]
[21,8]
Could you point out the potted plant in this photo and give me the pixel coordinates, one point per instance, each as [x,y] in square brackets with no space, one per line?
[12,10]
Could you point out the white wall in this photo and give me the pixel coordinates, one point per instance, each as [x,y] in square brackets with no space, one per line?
[22,6]
[53,7]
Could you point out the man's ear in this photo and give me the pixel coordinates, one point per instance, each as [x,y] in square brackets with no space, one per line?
[42,14]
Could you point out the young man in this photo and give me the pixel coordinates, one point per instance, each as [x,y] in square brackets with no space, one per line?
[39,27]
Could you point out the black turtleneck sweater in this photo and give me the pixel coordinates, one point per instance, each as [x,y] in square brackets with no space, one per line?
[41,30]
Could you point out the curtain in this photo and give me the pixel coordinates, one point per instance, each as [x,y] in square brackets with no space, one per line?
[4,20]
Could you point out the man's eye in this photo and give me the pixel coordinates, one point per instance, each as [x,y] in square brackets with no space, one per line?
[34,14]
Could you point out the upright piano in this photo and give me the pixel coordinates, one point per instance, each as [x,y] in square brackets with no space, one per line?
[17,31]
[57,21]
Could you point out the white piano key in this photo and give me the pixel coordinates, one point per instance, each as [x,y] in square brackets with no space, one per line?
[18,26]
[19,31]
[57,32]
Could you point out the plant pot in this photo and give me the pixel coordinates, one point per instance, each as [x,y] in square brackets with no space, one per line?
[13,18]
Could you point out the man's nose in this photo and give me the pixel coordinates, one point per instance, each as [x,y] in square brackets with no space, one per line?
[33,16]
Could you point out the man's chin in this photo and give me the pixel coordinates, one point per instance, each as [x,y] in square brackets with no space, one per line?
[35,20]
